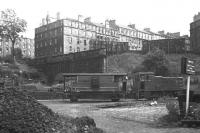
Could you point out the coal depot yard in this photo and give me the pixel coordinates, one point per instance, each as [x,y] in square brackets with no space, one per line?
[125,116]
[21,113]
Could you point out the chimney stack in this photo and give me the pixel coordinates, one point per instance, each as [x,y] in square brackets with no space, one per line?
[147,29]
[112,24]
[43,21]
[48,19]
[58,15]
[161,32]
[87,20]
[131,26]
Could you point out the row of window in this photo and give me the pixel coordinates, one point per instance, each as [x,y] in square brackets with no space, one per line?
[48,27]
[79,25]
[67,40]
[110,32]
[132,33]
[105,38]
[130,39]
[23,46]
[98,29]
[83,32]
[58,51]
[50,33]
[26,40]
[103,30]
[89,34]
[76,32]
[128,32]
[70,40]
[77,49]
[54,51]
[24,52]
[46,43]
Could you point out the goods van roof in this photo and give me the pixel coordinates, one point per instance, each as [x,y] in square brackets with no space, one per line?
[94,74]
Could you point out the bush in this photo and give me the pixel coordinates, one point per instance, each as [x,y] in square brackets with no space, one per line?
[7,59]
[85,124]
[173,111]
[157,62]
[172,119]
[194,111]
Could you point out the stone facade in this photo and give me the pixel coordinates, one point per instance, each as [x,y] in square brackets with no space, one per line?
[25,44]
[93,61]
[169,46]
[195,34]
[65,36]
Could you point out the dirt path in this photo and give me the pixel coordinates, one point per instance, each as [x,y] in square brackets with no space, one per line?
[125,119]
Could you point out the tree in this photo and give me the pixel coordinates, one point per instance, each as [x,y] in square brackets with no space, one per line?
[156,61]
[11,26]
[18,53]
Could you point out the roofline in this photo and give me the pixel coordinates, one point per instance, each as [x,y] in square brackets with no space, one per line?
[94,74]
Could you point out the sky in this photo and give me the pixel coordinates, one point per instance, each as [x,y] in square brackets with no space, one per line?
[167,15]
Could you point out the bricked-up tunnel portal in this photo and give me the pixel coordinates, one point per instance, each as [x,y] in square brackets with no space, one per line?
[80,62]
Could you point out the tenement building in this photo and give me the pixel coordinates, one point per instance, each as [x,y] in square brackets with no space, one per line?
[25,44]
[195,34]
[65,36]
[169,46]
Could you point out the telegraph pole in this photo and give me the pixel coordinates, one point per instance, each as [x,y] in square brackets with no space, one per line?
[187,67]
[106,47]
[187,95]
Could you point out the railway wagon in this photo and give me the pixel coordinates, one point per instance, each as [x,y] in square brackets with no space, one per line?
[95,85]
[147,85]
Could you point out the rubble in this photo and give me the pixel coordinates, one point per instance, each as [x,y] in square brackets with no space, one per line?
[21,113]
[153,103]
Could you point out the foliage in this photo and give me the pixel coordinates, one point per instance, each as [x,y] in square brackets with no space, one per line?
[173,111]
[7,59]
[85,124]
[139,68]
[156,61]
[194,111]
[27,60]
[11,26]
[125,62]
[39,76]
[58,78]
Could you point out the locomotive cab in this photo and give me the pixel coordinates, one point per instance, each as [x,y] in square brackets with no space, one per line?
[148,86]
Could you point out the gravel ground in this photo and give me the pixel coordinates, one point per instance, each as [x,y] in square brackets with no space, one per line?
[128,116]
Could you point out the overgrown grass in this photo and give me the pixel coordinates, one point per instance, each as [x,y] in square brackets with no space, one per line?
[173,116]
[127,62]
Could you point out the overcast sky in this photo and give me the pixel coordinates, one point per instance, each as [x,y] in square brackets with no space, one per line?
[167,15]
